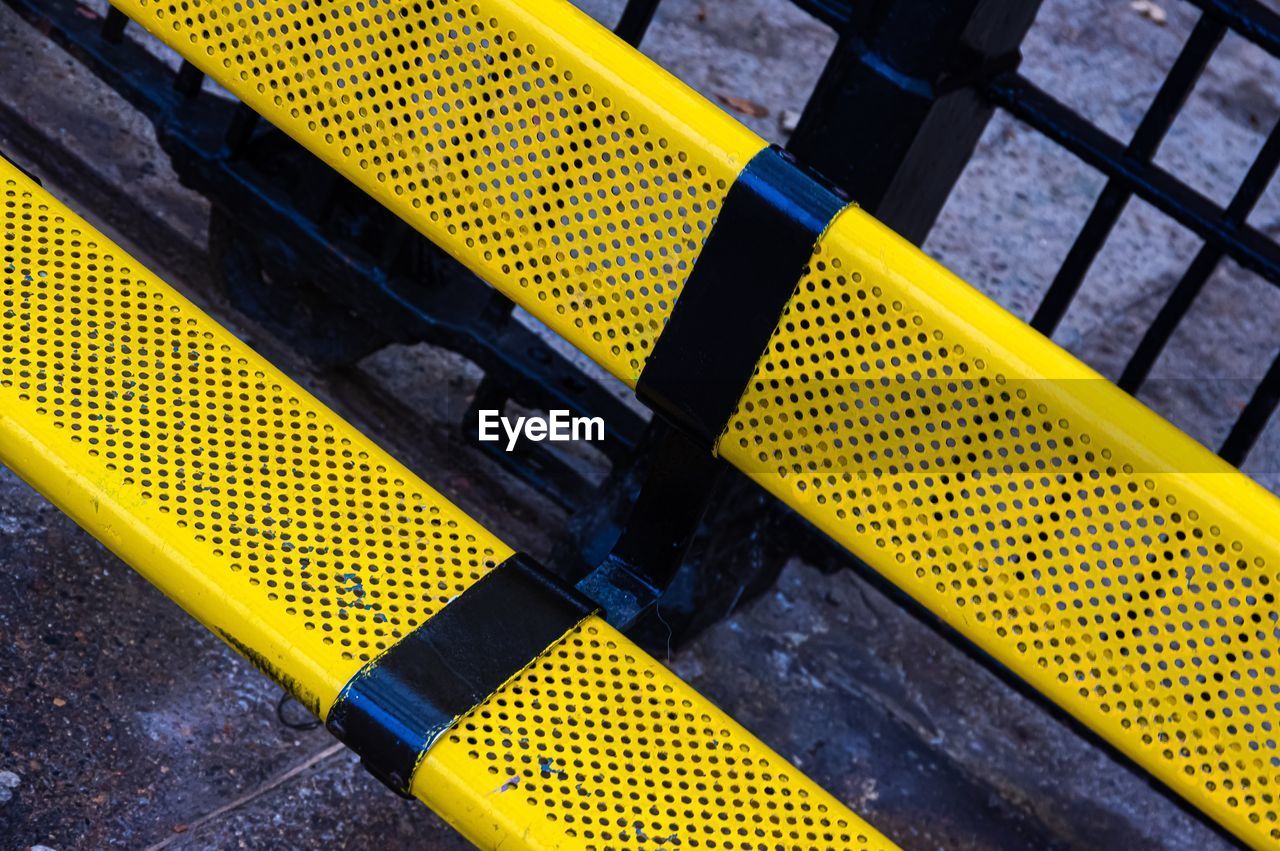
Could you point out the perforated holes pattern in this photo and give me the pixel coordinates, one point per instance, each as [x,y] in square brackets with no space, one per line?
[174,416]
[537,174]
[599,739]
[282,502]
[1093,580]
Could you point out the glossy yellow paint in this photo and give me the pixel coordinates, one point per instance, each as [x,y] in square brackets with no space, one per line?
[251,504]
[307,548]
[1077,537]
[597,745]
[1094,549]
[511,133]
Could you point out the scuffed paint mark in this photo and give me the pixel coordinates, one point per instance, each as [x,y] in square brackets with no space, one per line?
[548,767]
[266,666]
[638,829]
[512,782]
[355,589]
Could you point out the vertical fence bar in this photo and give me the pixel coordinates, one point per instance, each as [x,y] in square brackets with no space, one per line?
[1180,300]
[898,110]
[1146,140]
[635,20]
[1253,419]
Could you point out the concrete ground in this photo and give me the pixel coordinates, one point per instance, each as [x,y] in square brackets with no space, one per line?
[124,725]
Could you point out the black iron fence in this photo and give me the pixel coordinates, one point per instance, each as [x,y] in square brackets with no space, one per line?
[927,74]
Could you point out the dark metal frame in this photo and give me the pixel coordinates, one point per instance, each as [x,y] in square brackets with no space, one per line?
[369,278]
[673,540]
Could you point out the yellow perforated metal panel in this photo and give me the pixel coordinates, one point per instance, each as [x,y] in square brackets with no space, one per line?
[513,139]
[299,542]
[600,745]
[1109,560]
[266,516]
[1077,537]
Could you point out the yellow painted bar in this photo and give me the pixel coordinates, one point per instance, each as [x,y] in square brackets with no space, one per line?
[1090,546]
[599,746]
[307,548]
[510,133]
[1074,535]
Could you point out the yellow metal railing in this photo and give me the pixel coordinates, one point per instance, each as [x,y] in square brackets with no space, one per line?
[297,540]
[1082,541]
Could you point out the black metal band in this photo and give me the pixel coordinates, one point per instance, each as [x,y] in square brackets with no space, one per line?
[749,266]
[11,161]
[396,707]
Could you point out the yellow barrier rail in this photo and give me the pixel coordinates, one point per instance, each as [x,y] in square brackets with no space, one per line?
[1092,548]
[310,550]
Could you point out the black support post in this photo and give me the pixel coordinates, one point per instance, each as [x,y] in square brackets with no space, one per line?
[244,121]
[898,109]
[189,80]
[113,25]
[658,531]
[635,20]
[676,540]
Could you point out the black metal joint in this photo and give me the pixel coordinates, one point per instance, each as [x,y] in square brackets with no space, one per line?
[749,267]
[658,530]
[402,702]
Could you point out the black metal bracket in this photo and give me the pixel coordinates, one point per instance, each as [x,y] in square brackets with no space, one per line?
[396,707]
[661,525]
[750,264]
[898,110]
